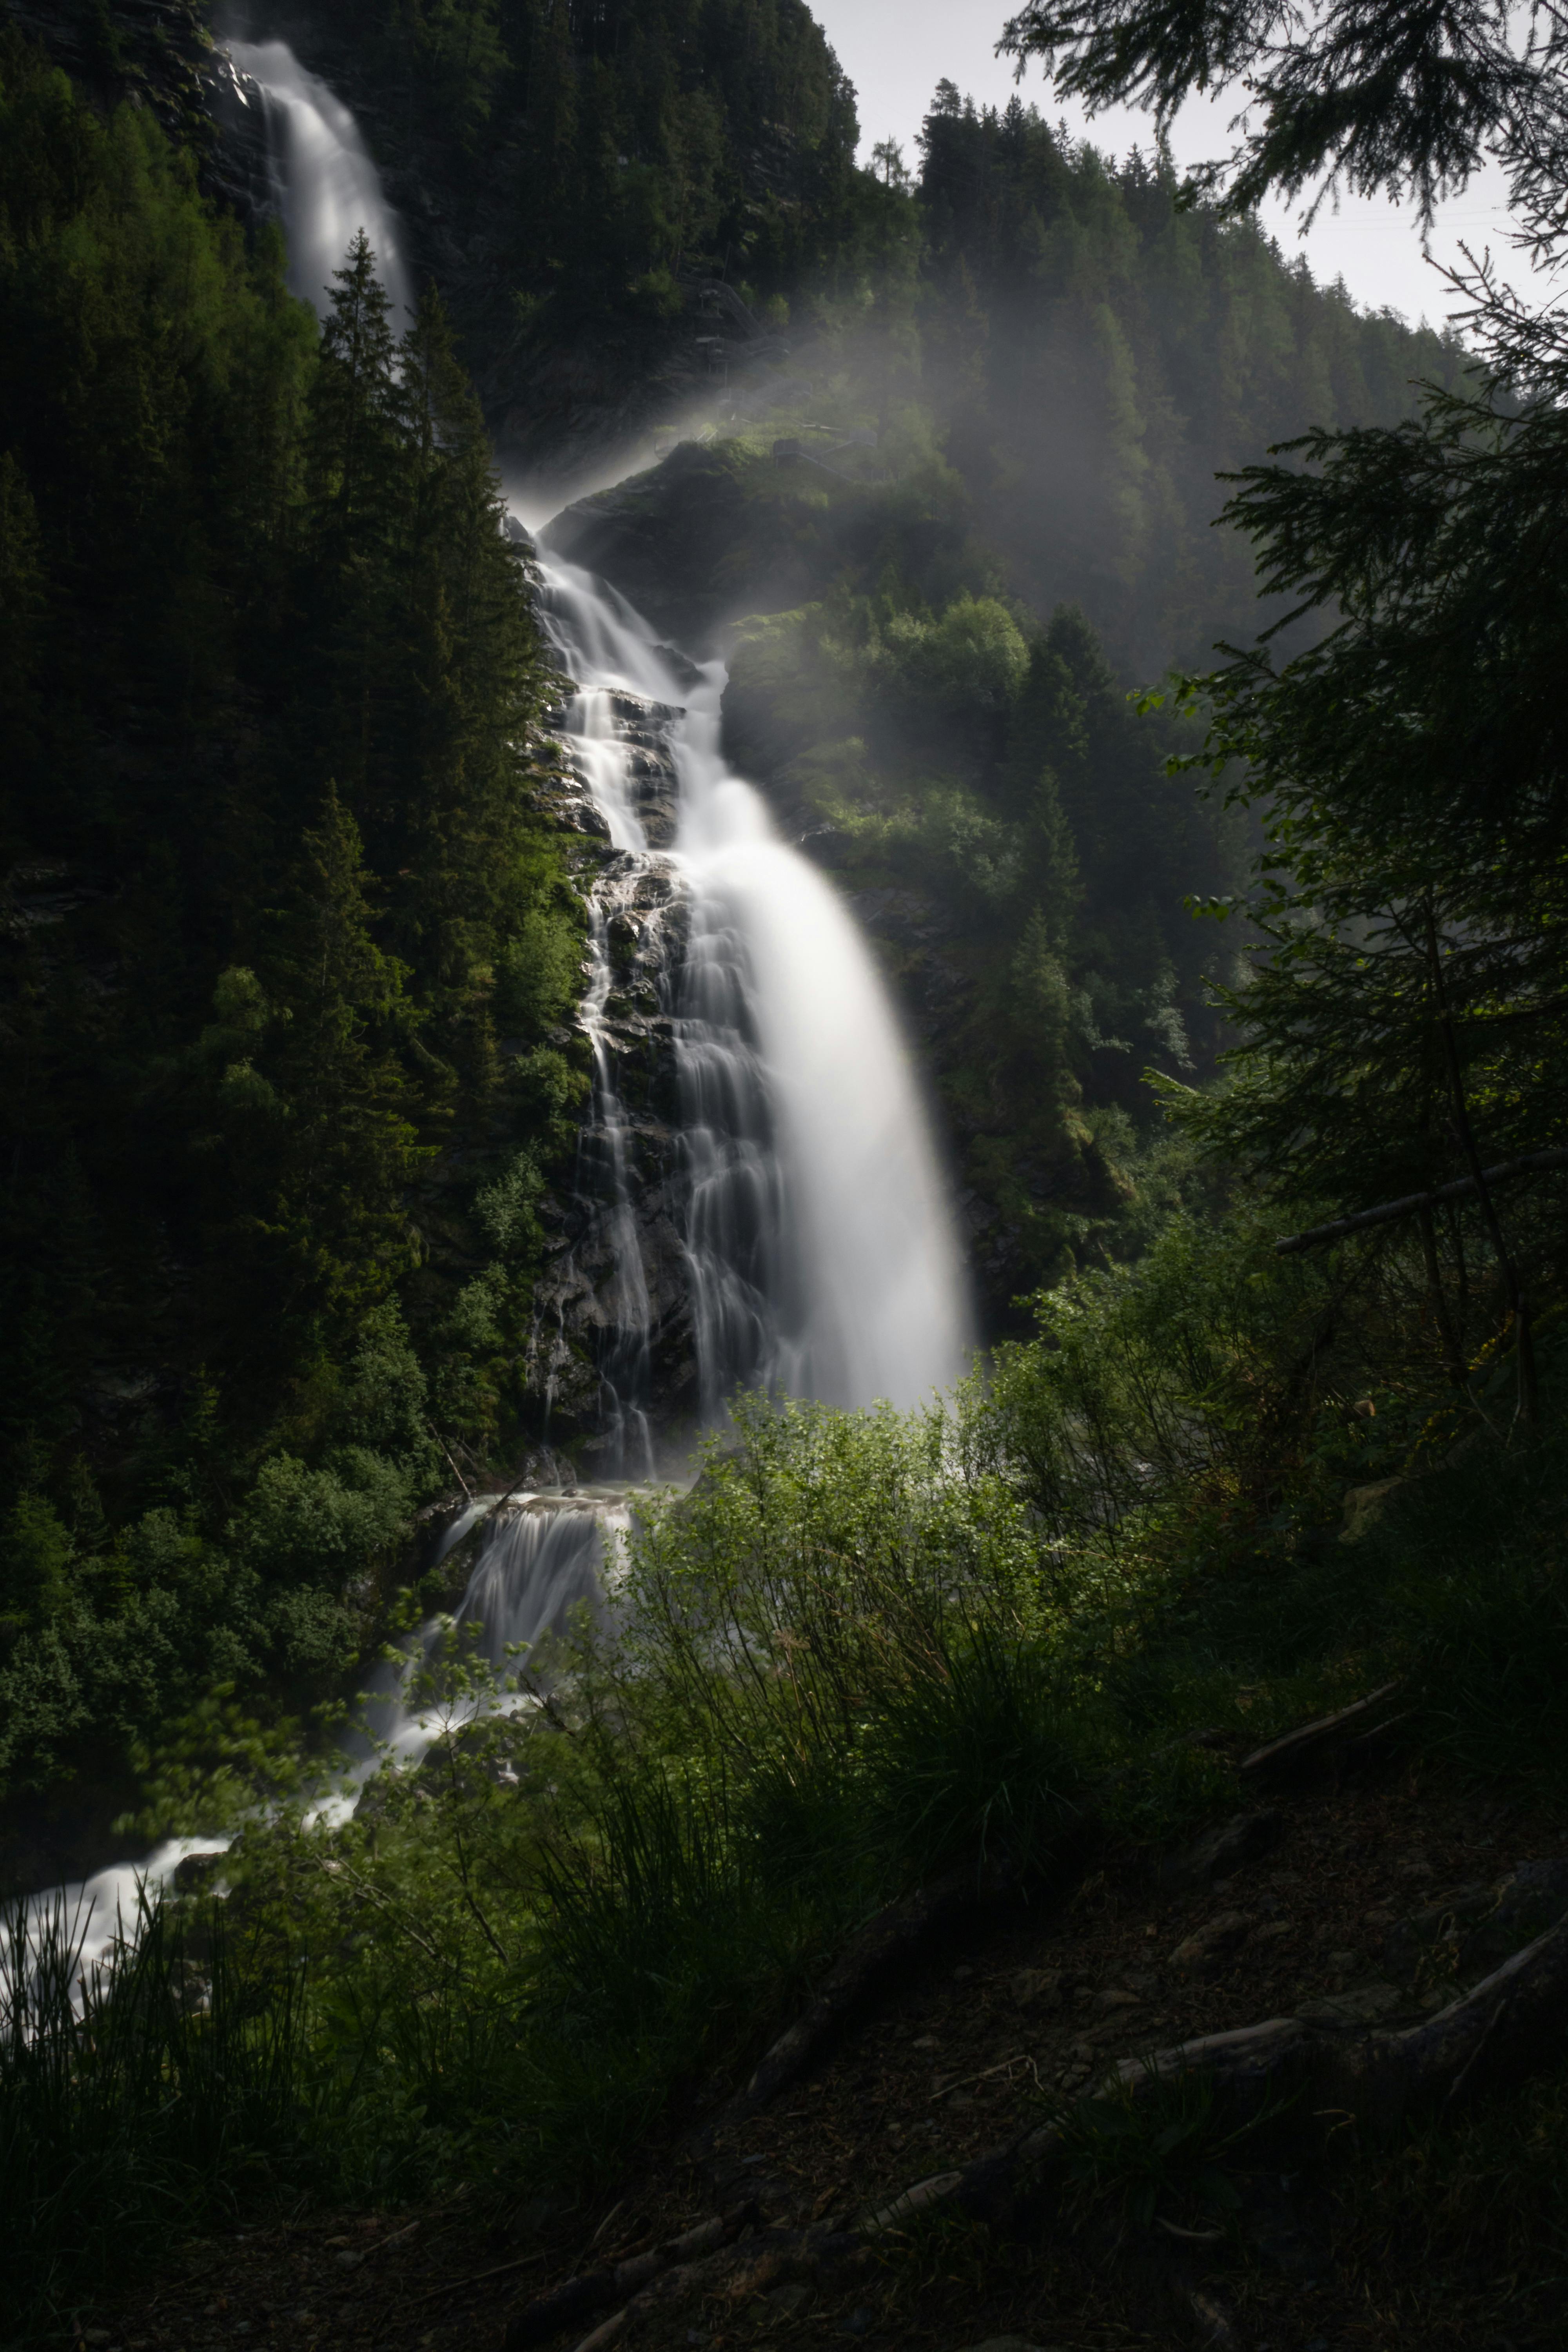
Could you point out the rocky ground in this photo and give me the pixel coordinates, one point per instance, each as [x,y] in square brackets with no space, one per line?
[1365,1903]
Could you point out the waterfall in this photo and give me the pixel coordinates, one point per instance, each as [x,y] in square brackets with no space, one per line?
[326,186]
[817,1241]
[544,1553]
[819,1252]
[822,1259]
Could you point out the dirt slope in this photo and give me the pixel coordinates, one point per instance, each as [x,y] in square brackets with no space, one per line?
[1363,1903]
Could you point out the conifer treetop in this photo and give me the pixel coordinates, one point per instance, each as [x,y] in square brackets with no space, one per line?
[1404,99]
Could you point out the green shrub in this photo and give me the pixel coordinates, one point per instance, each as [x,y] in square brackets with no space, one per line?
[325,1526]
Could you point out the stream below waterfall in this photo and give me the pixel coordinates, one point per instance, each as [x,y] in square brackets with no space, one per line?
[815,1238]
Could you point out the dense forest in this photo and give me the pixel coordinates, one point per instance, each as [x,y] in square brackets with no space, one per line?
[1000,518]
[1083,353]
[293,945]
[1099,352]
[287,950]
[577,175]
[1242,1547]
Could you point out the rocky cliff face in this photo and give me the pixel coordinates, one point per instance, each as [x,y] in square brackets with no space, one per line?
[155,52]
[601,1335]
[160,54]
[719,529]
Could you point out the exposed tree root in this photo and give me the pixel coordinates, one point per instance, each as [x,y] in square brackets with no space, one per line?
[1492,2035]
[1315,2079]
[575,2301]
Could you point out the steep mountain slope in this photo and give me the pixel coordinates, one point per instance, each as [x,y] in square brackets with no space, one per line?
[290,940]
[937,550]
[606,195]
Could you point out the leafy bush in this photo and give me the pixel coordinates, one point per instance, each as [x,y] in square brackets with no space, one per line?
[325,1526]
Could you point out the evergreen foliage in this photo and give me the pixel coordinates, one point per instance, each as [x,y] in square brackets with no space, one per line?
[631,151]
[1374,96]
[1100,352]
[1401,1019]
[286,951]
[1053,362]
[285,945]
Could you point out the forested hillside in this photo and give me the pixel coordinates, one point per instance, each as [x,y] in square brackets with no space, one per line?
[1195,1668]
[1099,354]
[287,950]
[577,175]
[937,549]
[291,949]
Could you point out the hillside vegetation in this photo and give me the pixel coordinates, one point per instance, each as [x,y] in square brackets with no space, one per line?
[290,952]
[286,948]
[989,517]
[287,1059]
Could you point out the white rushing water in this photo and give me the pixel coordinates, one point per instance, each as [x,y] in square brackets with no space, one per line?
[822,1255]
[89,1919]
[327,187]
[543,1555]
[820,1248]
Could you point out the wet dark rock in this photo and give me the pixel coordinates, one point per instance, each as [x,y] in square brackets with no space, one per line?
[1224,1850]
[664,538]
[195,1873]
[1205,1948]
[579,1301]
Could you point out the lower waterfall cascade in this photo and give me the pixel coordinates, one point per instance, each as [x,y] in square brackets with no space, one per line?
[819,1249]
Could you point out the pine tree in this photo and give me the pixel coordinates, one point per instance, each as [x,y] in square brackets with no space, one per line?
[316,1109]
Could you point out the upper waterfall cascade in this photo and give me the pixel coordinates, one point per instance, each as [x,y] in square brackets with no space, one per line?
[326,184]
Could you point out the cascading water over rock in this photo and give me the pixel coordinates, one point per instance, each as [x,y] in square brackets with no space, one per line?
[799,1227]
[543,1555]
[325,185]
[818,1247]
[814,1243]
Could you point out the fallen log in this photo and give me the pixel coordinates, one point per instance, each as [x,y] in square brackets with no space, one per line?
[1310,1743]
[1409,1204]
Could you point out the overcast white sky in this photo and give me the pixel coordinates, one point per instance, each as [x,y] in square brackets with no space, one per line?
[896,51]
